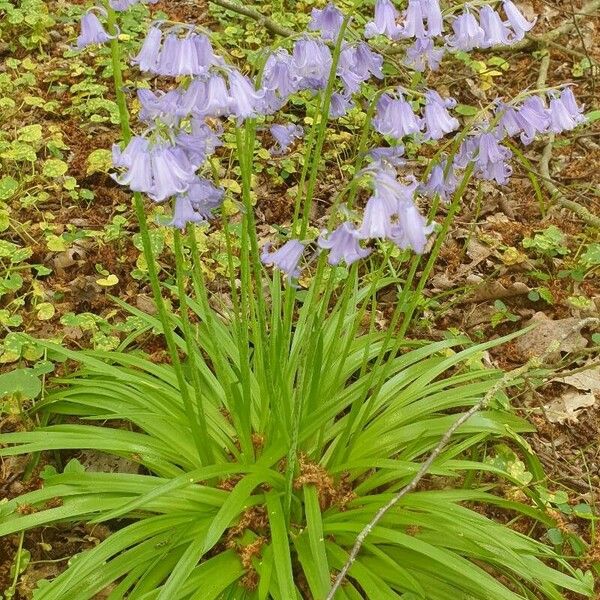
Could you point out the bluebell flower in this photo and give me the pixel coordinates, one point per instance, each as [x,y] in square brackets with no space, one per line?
[467,33]
[180,56]
[343,245]
[284,135]
[395,117]
[389,197]
[147,59]
[286,259]
[508,121]
[385,22]
[417,14]
[197,204]
[496,33]
[346,71]
[198,144]
[135,159]
[92,30]
[564,112]
[533,118]
[367,62]
[518,22]
[377,218]
[172,172]
[191,100]
[442,181]
[356,64]
[164,106]
[184,213]
[414,25]
[245,99]
[340,105]
[205,53]
[311,64]
[160,171]
[278,82]
[277,74]
[394,155]
[491,162]
[215,100]
[433,14]
[327,21]
[410,230]
[438,121]
[121,5]
[466,152]
[423,53]
[205,196]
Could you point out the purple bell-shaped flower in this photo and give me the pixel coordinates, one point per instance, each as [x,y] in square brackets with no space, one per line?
[327,21]
[343,245]
[385,21]
[92,30]
[286,259]
[438,121]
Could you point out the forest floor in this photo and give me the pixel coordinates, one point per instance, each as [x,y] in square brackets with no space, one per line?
[68,235]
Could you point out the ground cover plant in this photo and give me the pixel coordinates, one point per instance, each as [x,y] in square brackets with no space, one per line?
[288,446]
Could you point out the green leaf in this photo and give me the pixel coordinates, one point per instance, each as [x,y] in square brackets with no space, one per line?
[22,382]
[281,547]
[466,110]
[8,187]
[99,161]
[593,116]
[54,167]
[45,311]
[30,133]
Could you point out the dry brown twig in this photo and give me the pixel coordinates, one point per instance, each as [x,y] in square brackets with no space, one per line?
[544,165]
[508,379]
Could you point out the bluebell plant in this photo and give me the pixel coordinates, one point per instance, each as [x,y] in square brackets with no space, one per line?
[287,417]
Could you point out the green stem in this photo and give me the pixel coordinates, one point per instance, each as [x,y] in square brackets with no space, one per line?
[115,51]
[140,212]
[322,129]
[199,426]
[13,587]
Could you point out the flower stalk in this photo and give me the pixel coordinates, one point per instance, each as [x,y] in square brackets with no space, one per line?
[167,326]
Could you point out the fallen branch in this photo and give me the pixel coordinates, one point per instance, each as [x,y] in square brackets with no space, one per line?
[252,13]
[544,166]
[556,195]
[505,381]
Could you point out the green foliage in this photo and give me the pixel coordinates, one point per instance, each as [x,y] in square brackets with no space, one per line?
[257,520]
[25,21]
[550,242]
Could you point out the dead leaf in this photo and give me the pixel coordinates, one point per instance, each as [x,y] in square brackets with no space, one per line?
[548,331]
[582,392]
[494,290]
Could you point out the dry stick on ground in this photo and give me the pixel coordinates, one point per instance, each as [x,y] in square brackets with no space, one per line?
[586,10]
[252,13]
[530,40]
[583,213]
[505,381]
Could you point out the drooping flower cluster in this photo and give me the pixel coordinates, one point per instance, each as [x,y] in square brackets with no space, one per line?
[491,30]
[395,116]
[184,123]
[532,117]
